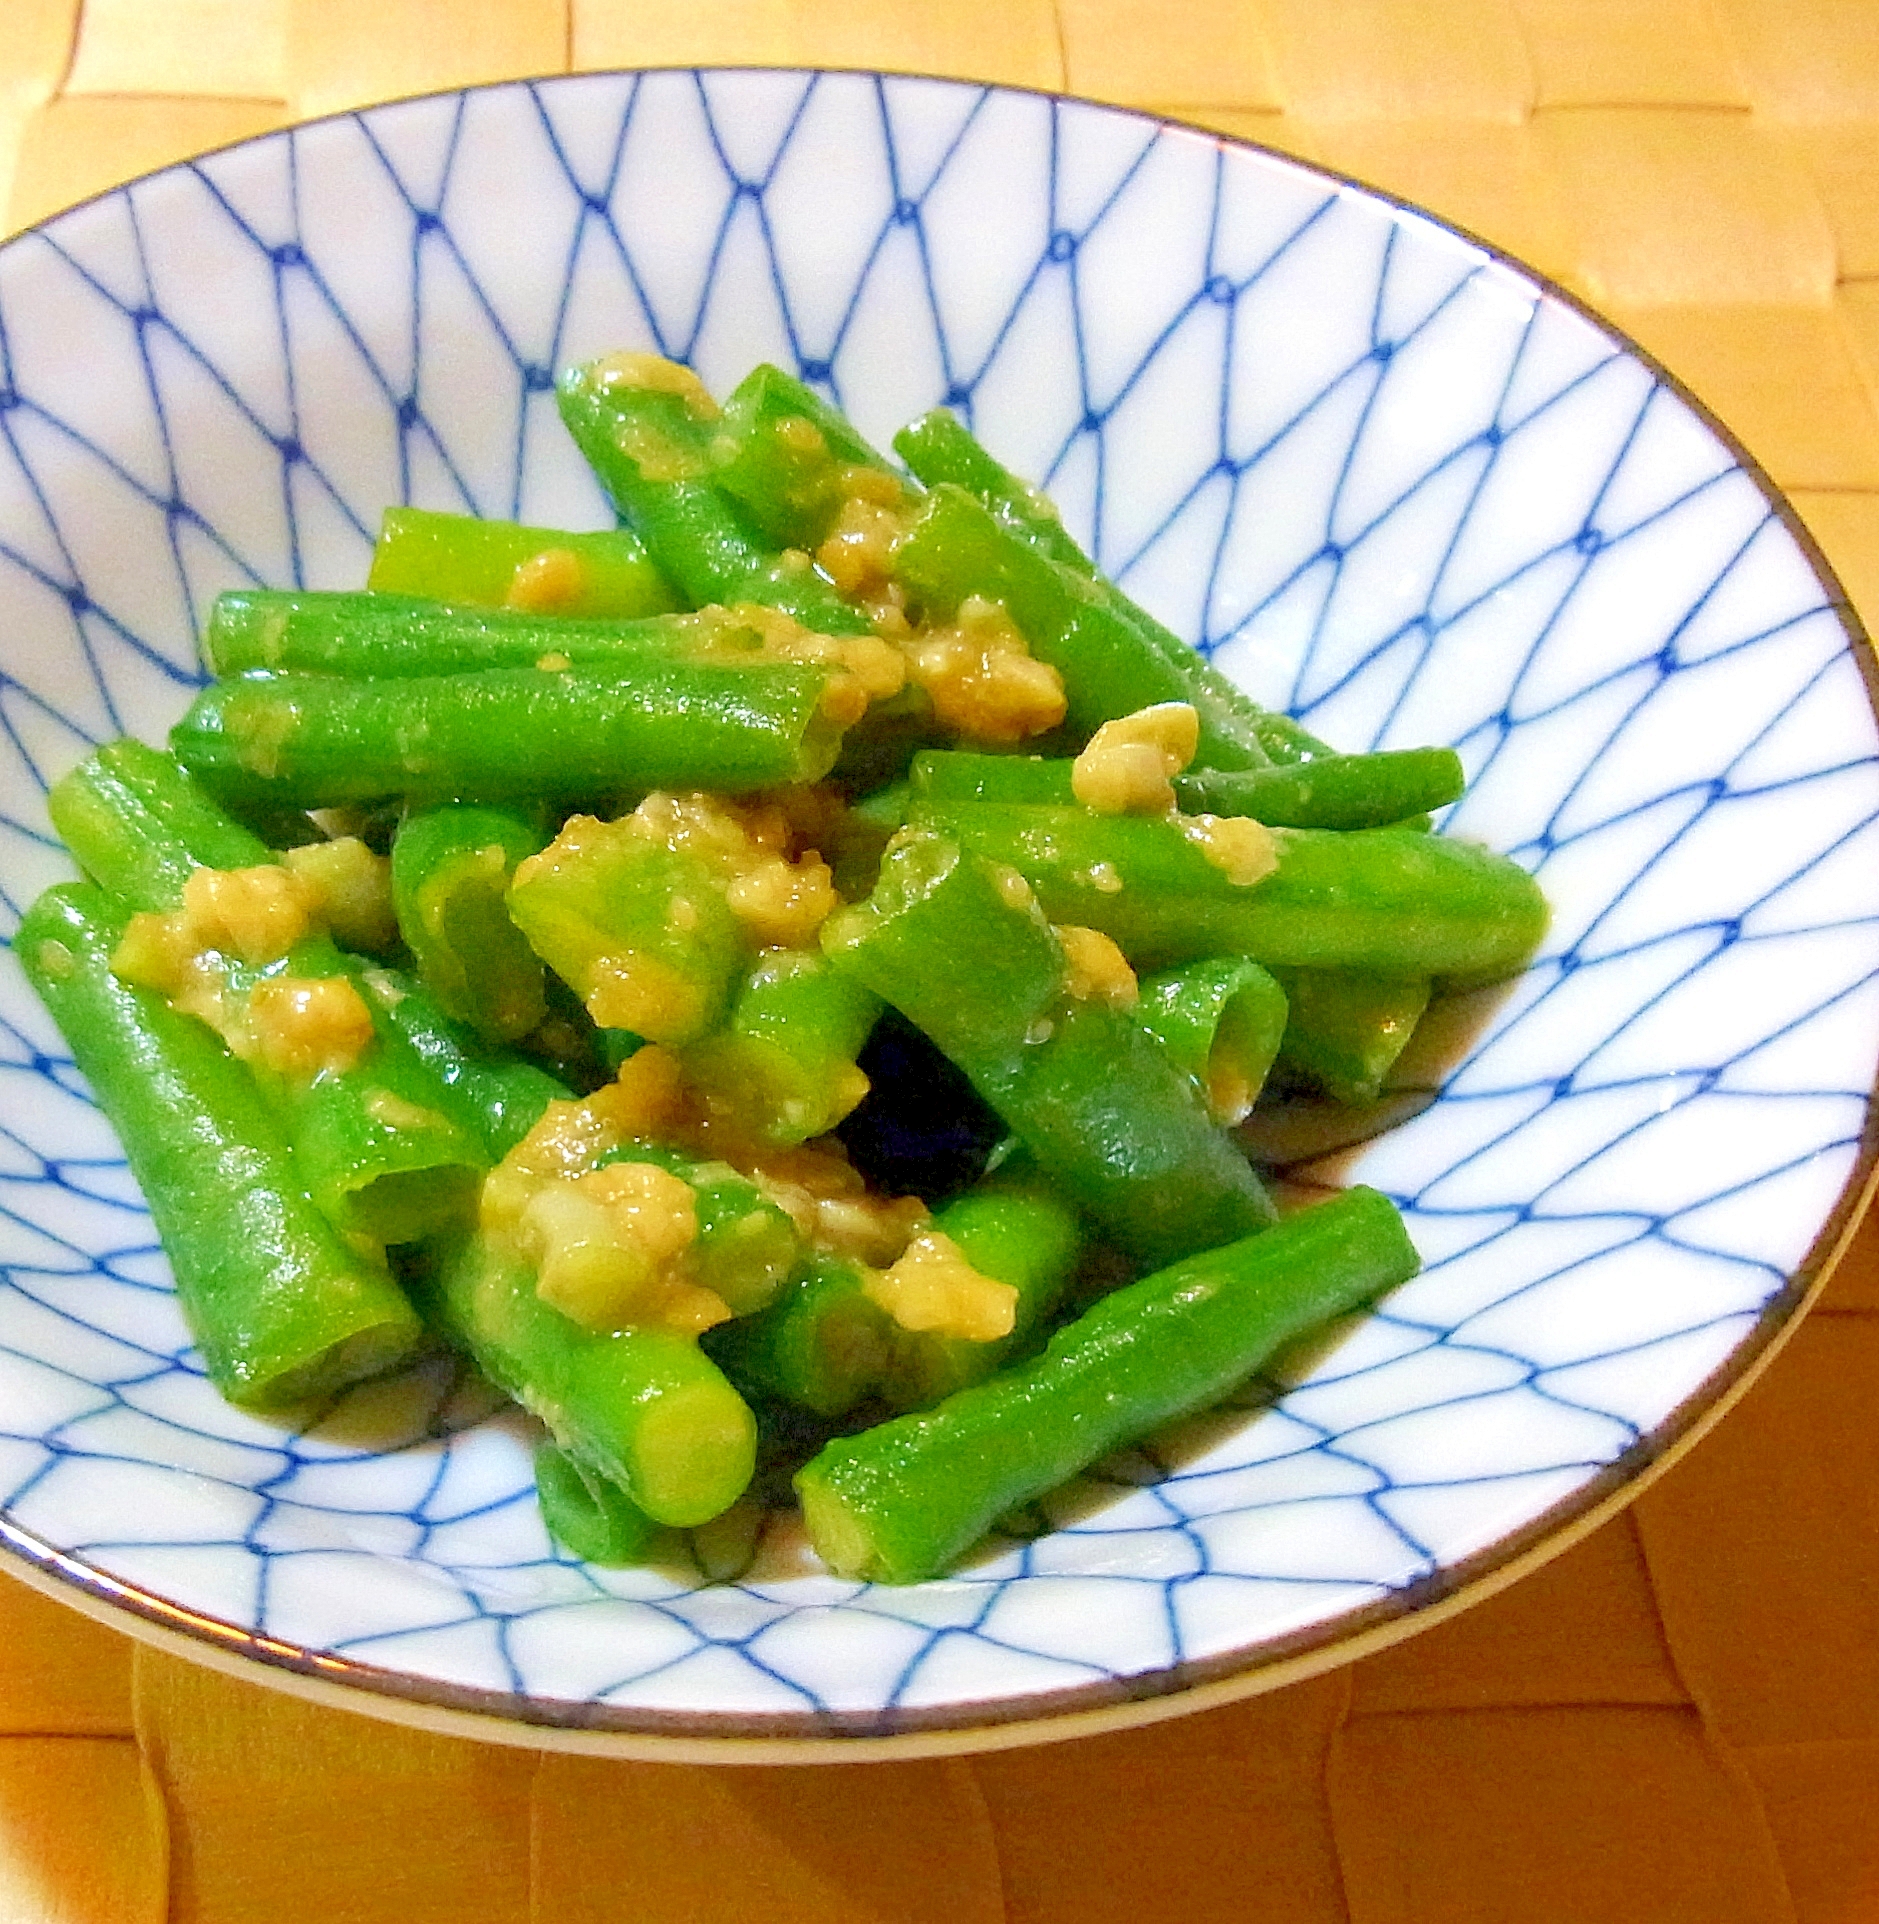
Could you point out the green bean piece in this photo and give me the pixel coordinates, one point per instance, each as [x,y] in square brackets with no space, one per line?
[747,1246]
[940,447]
[496,564]
[955,548]
[450,873]
[1384,900]
[1389,790]
[1345,1031]
[380,1145]
[862,832]
[1286,741]
[498,1093]
[955,775]
[1015,1227]
[510,734]
[643,1408]
[784,1063]
[827,1346]
[783,454]
[1094,1097]
[900,1502]
[392,637]
[770,395]
[584,1513]
[281,1307]
[139,827]
[646,428]
[642,933]
[1236,731]
[1330,791]
[1221,1019]
[824,1345]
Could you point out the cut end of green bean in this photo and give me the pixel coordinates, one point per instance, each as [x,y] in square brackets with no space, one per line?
[1222,1021]
[585,1514]
[357,1358]
[450,875]
[1344,1031]
[690,1445]
[405,1206]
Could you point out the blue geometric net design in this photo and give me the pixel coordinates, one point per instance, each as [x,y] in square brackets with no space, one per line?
[1381,478]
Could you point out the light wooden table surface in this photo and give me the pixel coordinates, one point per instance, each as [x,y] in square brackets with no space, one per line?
[1679,1719]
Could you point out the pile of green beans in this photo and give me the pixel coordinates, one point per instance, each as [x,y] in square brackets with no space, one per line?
[1102,996]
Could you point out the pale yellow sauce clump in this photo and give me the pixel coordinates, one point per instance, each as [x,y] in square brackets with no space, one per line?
[1125,768]
[656,454]
[1230,1095]
[1095,970]
[867,669]
[830,1204]
[782,901]
[857,553]
[546,583]
[1013,890]
[609,1249]
[353,889]
[295,1025]
[644,1100]
[391,1111]
[933,1287]
[653,374]
[981,678]
[609,1245]
[164,953]
[782,904]
[256,913]
[303,1025]
[1244,850]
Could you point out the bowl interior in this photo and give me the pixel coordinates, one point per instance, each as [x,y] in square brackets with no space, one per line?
[1388,481]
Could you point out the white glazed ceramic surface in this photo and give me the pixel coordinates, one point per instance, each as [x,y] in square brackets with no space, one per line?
[1390,482]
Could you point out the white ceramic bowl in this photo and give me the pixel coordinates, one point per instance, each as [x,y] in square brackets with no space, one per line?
[1389,481]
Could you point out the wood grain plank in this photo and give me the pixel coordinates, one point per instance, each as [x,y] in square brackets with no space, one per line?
[1678,205]
[232,48]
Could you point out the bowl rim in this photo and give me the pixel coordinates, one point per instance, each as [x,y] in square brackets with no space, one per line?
[970,1725]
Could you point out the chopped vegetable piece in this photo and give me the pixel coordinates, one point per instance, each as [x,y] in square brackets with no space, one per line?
[511,734]
[1374,899]
[899,1502]
[1345,1031]
[1221,1020]
[642,1407]
[588,1515]
[496,564]
[451,868]
[969,958]
[280,1306]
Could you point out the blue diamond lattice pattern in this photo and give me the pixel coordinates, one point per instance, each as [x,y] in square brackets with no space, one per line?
[1384,479]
